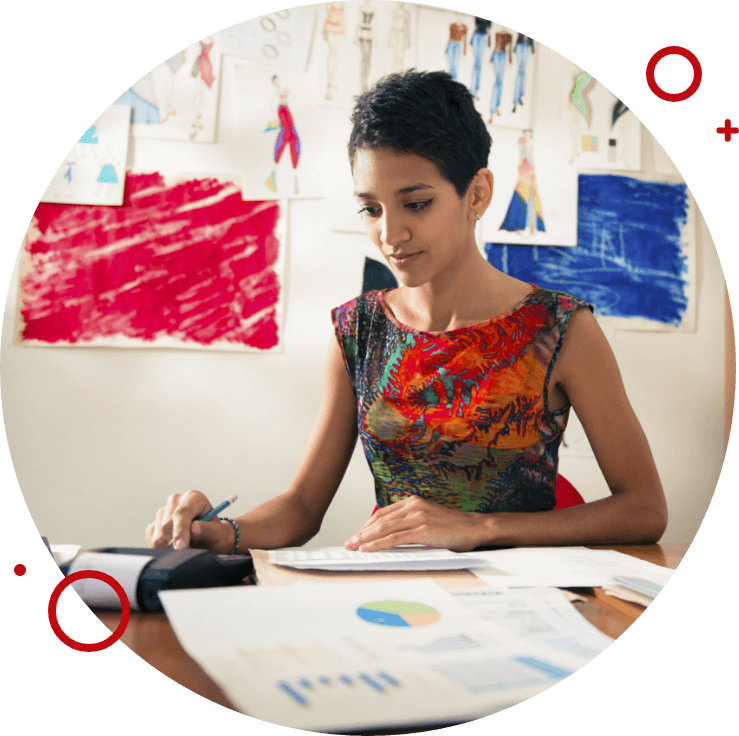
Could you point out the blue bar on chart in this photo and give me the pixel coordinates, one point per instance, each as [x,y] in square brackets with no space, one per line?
[371,682]
[375,682]
[292,692]
[389,679]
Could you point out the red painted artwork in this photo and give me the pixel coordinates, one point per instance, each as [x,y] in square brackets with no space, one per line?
[180,264]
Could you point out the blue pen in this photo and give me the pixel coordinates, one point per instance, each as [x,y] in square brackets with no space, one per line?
[217,510]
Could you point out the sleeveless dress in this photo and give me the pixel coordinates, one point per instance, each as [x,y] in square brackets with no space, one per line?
[461,417]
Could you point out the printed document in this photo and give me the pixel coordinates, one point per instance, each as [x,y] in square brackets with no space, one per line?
[369,655]
[541,615]
[408,557]
[560,567]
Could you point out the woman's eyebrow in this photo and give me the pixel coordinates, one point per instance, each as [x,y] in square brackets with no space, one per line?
[398,193]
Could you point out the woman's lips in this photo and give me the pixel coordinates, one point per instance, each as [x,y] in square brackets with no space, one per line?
[404,259]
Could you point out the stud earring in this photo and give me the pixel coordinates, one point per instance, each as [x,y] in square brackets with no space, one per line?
[477,215]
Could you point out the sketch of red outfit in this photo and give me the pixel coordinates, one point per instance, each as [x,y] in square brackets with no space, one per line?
[288,136]
[204,66]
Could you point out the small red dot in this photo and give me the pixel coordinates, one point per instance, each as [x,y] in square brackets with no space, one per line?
[19,570]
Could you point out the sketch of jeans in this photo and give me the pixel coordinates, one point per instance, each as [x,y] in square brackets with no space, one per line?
[478,43]
[523,51]
[499,67]
[453,52]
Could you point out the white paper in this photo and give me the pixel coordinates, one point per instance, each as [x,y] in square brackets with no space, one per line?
[541,615]
[399,558]
[124,568]
[63,554]
[309,657]
[559,567]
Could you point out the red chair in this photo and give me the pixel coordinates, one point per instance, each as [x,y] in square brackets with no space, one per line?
[565,495]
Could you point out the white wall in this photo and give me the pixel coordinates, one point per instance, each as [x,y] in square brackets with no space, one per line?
[101,437]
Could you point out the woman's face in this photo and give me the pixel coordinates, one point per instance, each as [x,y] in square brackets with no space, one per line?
[412,213]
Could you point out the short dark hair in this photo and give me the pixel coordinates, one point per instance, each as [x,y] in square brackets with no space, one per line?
[428,114]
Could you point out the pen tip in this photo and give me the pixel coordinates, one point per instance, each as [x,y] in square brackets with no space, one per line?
[231,499]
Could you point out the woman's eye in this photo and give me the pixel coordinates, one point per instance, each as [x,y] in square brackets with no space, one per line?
[418,206]
[412,206]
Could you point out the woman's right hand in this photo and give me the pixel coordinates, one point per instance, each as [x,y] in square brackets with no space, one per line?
[177,524]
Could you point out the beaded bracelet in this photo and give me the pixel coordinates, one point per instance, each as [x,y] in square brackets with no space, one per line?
[238,533]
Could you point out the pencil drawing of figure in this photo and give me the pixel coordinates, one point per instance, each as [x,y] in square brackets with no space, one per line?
[525,211]
[580,107]
[202,71]
[479,42]
[333,32]
[523,49]
[457,45]
[173,64]
[503,40]
[364,39]
[287,136]
[400,36]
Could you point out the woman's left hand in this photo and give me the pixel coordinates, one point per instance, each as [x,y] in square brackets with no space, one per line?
[418,521]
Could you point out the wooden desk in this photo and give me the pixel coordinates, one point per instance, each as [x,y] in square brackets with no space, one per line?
[152,638]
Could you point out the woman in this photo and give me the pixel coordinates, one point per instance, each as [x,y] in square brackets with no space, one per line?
[460,381]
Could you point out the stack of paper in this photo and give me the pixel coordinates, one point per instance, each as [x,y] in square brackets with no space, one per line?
[560,567]
[409,557]
[638,589]
[337,657]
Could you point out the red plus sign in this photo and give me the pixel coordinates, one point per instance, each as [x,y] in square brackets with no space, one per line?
[727,130]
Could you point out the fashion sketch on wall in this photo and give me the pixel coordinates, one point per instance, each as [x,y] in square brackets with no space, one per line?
[287,136]
[357,42]
[278,154]
[496,63]
[400,36]
[94,171]
[524,214]
[178,99]
[535,197]
[604,134]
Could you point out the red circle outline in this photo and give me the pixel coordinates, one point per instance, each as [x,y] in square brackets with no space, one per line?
[677,96]
[95,646]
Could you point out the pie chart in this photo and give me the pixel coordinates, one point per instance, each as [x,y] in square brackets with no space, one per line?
[398,613]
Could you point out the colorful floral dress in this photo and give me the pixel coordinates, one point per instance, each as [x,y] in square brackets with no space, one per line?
[459,417]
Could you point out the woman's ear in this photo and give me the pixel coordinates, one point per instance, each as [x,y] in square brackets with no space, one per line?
[481,189]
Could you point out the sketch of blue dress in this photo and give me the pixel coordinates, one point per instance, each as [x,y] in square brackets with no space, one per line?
[525,206]
[108,175]
[142,110]
[89,136]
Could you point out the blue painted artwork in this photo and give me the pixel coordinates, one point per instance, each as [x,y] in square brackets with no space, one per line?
[89,136]
[142,110]
[629,260]
[108,175]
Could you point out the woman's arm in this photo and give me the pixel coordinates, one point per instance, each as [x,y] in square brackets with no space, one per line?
[586,375]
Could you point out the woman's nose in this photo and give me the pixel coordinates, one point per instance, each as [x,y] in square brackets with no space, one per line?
[394,229]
